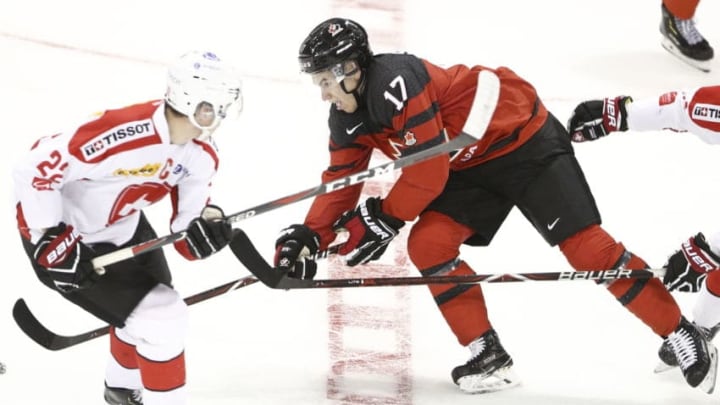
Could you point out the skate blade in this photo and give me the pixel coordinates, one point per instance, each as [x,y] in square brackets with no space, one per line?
[662,367]
[697,64]
[499,380]
[708,383]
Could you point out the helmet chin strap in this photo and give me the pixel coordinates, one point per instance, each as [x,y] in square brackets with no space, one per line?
[358,90]
[207,132]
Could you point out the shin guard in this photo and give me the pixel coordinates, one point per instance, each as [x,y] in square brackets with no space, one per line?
[593,249]
[462,305]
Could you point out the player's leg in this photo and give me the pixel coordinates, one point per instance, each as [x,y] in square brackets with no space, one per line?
[562,208]
[156,330]
[434,247]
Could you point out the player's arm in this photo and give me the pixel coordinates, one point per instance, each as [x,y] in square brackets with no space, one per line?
[38,178]
[55,249]
[327,208]
[297,243]
[406,104]
[696,111]
[207,232]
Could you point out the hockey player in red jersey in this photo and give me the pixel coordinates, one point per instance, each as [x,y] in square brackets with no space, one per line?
[402,104]
[693,111]
[80,194]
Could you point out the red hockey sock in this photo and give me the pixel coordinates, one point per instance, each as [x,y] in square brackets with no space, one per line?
[163,375]
[124,353]
[682,9]
[435,240]
[593,249]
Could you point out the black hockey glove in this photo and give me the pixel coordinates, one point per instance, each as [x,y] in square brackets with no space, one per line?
[593,119]
[208,233]
[687,268]
[66,259]
[370,232]
[294,249]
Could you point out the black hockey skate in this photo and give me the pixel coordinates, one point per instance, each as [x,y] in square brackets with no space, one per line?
[123,396]
[695,354]
[668,361]
[490,369]
[682,39]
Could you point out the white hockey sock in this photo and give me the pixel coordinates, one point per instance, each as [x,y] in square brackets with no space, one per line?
[117,376]
[707,308]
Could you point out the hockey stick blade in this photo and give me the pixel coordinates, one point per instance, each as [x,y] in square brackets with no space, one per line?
[36,331]
[41,335]
[248,255]
[487,93]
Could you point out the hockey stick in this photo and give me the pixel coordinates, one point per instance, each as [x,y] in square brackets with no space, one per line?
[457,143]
[248,255]
[481,112]
[36,331]
[486,96]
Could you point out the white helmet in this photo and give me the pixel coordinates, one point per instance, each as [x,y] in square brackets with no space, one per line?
[204,88]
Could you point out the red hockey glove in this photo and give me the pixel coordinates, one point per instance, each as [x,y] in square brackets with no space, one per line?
[294,249]
[596,118]
[66,259]
[687,268]
[370,232]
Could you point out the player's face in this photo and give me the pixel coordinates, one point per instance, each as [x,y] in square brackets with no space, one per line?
[330,90]
[337,83]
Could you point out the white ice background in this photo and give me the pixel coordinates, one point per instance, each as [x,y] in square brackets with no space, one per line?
[572,343]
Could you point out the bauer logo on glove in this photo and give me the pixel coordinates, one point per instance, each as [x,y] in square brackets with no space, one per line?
[55,249]
[370,232]
[687,268]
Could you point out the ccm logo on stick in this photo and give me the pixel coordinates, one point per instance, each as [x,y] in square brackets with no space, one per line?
[360,177]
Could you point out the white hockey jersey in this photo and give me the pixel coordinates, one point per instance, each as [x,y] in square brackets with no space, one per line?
[696,111]
[99,175]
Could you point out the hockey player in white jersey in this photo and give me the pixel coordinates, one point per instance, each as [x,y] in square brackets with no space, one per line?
[693,267]
[80,194]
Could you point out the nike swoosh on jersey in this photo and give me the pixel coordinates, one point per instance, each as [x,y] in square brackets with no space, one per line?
[350,131]
[551,225]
